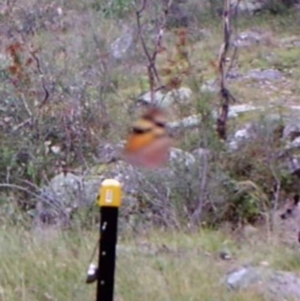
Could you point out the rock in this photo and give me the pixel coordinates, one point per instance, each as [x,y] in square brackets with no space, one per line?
[292,129]
[248,6]
[187,122]
[158,98]
[240,136]
[109,152]
[67,193]
[234,75]
[181,95]
[294,144]
[265,75]
[178,156]
[292,164]
[242,278]
[120,47]
[195,120]
[270,125]
[248,38]
[209,86]
[225,255]
[293,108]
[236,110]
[59,199]
[244,7]
[291,41]
[273,285]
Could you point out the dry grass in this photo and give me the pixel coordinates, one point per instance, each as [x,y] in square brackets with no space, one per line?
[161,265]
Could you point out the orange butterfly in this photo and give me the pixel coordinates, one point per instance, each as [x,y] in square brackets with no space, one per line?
[148,144]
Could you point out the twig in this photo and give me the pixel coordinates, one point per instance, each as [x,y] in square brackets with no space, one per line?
[20,125]
[53,203]
[8,7]
[38,67]
[17,187]
[234,55]
[26,106]
[151,67]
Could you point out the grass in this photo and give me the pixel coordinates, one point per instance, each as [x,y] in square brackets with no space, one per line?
[51,265]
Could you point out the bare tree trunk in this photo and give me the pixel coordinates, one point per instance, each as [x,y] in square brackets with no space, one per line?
[225,94]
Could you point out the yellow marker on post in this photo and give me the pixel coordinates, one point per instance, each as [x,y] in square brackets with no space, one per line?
[109,202]
[110,193]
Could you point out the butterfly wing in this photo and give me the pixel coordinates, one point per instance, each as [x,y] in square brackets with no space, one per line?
[148,144]
[153,155]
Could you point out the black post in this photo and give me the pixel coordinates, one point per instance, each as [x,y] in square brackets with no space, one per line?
[107,253]
[109,201]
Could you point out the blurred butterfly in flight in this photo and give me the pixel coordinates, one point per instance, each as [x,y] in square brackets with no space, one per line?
[148,144]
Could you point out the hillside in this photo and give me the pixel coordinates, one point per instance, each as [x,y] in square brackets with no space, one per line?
[73,78]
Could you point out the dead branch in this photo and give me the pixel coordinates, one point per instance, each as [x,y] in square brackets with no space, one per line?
[38,65]
[33,52]
[153,76]
[225,95]
[22,124]
[233,58]
[21,188]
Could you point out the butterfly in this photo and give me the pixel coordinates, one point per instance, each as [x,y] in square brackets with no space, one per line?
[149,143]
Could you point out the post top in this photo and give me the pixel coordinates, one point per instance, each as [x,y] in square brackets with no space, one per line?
[110,193]
[111,182]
